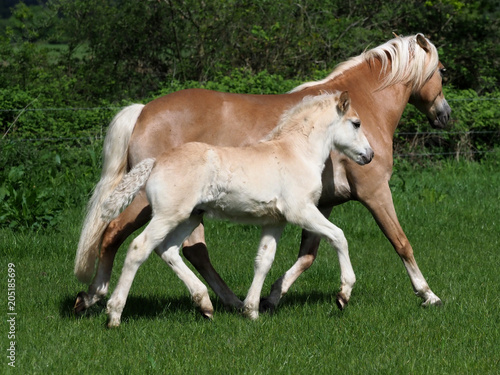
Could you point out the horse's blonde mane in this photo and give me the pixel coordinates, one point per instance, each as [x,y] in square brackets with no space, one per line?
[402,55]
[294,118]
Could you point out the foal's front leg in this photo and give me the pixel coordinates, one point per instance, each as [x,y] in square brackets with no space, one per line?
[265,257]
[312,220]
[309,245]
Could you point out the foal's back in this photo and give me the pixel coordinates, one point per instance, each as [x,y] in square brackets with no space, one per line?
[245,184]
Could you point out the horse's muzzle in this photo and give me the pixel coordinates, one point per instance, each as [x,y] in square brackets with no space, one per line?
[443,115]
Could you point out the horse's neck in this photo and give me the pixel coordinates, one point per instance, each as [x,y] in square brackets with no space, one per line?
[380,109]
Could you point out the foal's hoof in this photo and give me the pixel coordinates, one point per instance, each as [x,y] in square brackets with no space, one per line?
[209,315]
[341,301]
[81,303]
[113,322]
[265,306]
[432,301]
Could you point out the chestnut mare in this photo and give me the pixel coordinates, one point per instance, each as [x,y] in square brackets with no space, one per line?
[269,184]
[380,81]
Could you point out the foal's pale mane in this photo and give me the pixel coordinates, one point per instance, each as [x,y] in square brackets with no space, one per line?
[402,55]
[296,118]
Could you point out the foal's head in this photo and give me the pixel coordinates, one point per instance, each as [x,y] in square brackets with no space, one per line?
[349,137]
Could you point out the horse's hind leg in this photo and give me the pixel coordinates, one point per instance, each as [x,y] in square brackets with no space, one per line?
[265,257]
[132,218]
[381,206]
[309,245]
[195,250]
[169,252]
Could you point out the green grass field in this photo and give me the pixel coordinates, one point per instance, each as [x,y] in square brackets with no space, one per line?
[449,212]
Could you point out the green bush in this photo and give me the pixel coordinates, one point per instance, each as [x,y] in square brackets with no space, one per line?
[60,164]
[37,184]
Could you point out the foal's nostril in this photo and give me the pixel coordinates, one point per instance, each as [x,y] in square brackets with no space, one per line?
[367,156]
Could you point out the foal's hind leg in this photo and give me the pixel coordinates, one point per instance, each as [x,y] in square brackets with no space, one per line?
[309,245]
[132,218]
[138,252]
[169,252]
[265,257]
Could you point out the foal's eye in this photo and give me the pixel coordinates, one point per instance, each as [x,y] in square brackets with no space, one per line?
[356,123]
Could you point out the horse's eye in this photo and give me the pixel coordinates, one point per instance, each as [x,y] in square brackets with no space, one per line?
[356,123]
[443,74]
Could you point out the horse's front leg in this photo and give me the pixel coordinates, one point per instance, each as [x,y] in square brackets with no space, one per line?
[265,257]
[195,250]
[381,206]
[132,218]
[307,254]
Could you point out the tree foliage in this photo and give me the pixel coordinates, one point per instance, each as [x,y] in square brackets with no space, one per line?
[127,48]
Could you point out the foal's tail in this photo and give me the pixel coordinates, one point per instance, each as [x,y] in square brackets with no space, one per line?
[125,192]
[115,166]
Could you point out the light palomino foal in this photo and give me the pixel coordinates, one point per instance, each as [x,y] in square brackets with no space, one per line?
[271,183]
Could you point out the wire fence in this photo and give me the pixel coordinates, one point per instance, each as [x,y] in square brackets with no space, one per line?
[401,135]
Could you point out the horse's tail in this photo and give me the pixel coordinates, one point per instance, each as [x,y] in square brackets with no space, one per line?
[127,189]
[115,166]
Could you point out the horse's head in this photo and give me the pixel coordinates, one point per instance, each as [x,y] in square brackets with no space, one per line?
[349,137]
[429,98]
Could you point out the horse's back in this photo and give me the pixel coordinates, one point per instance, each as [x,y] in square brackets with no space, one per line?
[200,115]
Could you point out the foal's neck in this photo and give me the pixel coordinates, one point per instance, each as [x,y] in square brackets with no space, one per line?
[316,139]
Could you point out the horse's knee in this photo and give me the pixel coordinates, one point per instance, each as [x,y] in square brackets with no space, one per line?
[404,250]
[306,261]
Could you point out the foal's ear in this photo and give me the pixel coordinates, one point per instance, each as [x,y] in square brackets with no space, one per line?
[344,102]
[422,42]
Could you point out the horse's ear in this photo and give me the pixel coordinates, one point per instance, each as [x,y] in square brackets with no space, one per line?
[344,102]
[422,42]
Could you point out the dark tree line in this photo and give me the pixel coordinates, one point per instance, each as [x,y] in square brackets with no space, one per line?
[126,48]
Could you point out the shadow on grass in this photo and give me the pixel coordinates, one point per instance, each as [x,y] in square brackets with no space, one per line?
[154,306]
[138,307]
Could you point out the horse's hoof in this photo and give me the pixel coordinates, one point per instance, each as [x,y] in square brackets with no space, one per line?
[81,303]
[341,301]
[266,306]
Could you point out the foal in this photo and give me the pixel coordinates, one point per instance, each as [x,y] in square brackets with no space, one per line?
[271,183]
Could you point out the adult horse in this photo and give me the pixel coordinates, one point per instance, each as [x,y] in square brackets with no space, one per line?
[381,81]
[270,183]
